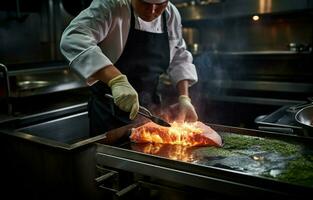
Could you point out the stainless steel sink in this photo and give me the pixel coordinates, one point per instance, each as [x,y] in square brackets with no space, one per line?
[38,81]
[65,128]
[68,130]
[49,156]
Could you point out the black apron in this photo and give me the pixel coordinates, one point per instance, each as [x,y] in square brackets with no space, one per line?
[146,55]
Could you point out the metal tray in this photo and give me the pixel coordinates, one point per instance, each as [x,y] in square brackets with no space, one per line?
[281,120]
[66,128]
[200,168]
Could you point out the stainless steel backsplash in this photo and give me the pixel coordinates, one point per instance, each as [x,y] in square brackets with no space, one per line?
[31,33]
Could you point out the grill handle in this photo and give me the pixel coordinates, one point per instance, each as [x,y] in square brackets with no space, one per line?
[127,189]
[100,181]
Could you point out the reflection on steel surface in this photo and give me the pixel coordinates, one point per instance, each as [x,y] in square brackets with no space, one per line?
[25,85]
[174,152]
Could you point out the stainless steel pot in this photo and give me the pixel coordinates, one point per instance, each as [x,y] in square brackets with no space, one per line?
[305,118]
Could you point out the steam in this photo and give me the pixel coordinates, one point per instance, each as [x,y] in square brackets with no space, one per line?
[211,79]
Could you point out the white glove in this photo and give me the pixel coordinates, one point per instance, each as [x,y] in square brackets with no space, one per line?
[186,110]
[124,95]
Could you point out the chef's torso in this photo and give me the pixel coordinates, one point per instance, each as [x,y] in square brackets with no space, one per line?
[104,29]
[145,57]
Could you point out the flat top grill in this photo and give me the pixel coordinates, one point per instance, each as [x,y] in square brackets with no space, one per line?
[266,162]
[248,154]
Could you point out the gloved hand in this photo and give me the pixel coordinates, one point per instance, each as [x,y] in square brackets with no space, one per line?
[186,111]
[124,95]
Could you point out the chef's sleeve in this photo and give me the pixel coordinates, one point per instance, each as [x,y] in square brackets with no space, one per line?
[79,40]
[181,66]
[181,63]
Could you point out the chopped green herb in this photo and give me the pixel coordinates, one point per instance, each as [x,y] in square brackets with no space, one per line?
[277,159]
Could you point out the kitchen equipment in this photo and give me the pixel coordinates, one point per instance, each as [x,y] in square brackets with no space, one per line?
[284,120]
[146,113]
[297,107]
[33,83]
[203,171]
[41,153]
[43,80]
[51,155]
[281,120]
[305,118]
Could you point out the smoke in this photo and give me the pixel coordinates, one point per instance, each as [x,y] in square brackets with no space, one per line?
[212,82]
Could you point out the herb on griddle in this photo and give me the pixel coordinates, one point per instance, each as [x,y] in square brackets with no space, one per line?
[285,161]
[299,171]
[242,142]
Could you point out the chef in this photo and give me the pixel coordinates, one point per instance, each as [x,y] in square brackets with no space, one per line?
[120,47]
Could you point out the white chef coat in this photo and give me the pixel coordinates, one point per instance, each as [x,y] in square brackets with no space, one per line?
[97,36]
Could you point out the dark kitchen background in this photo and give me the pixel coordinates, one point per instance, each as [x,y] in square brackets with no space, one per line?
[254,59]
[252,56]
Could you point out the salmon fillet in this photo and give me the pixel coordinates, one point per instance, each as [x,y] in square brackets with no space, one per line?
[189,134]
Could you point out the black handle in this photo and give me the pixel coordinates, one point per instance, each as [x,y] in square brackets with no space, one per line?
[99,180]
[127,189]
[110,174]
[148,114]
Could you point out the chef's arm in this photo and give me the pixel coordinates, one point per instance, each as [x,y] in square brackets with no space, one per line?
[106,74]
[182,87]
[124,95]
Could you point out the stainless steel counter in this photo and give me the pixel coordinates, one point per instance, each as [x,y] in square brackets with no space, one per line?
[49,156]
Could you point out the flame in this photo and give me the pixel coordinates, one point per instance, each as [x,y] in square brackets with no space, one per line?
[183,131]
[178,134]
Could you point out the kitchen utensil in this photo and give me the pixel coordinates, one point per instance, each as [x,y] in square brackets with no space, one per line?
[146,113]
[297,107]
[305,118]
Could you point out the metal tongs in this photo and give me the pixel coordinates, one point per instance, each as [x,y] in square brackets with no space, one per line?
[146,113]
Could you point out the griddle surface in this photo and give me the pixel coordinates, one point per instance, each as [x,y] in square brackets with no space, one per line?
[257,156]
